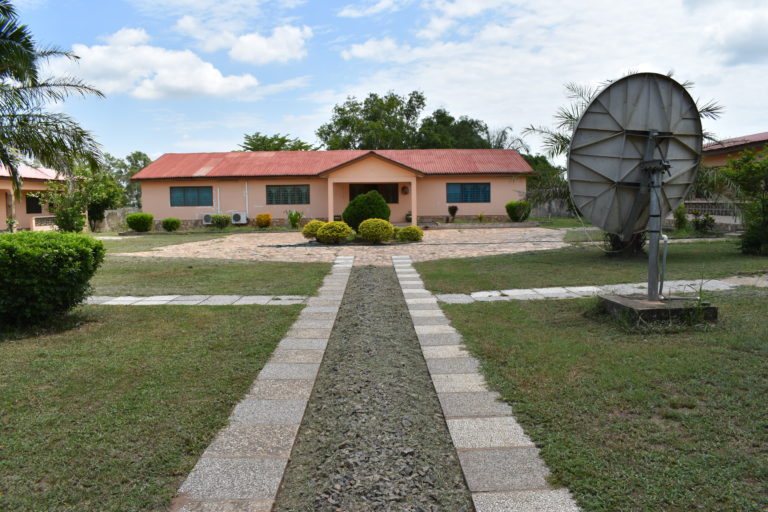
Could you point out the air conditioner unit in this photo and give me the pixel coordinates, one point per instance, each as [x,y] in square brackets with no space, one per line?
[239,218]
[207,220]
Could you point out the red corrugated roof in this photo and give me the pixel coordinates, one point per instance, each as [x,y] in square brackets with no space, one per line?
[313,163]
[32,173]
[737,141]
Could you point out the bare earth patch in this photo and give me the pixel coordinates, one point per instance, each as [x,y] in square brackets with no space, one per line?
[437,244]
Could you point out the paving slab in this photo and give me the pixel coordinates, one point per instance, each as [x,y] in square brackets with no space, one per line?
[453,365]
[246,440]
[484,295]
[288,371]
[124,300]
[220,300]
[285,302]
[503,469]
[445,352]
[303,343]
[500,432]
[151,303]
[179,302]
[424,306]
[493,298]
[269,412]
[428,340]
[214,478]
[316,315]
[547,500]
[434,329]
[319,301]
[250,300]
[523,294]
[582,291]
[459,383]
[420,300]
[462,405]
[555,292]
[430,320]
[309,333]
[427,313]
[455,298]
[288,389]
[225,506]
[416,292]
[417,285]
[312,324]
[320,309]
[282,355]
[99,299]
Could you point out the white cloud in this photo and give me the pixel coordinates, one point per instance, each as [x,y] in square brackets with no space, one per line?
[351,11]
[448,13]
[285,44]
[374,49]
[127,64]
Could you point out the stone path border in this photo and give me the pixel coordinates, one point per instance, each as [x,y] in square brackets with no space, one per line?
[500,463]
[198,300]
[572,292]
[243,467]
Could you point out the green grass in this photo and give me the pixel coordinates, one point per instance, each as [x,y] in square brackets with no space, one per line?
[142,243]
[628,422]
[559,222]
[163,276]
[596,235]
[582,266]
[110,409]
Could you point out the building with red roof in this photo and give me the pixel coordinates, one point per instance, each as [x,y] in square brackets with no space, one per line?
[28,212]
[718,153]
[420,184]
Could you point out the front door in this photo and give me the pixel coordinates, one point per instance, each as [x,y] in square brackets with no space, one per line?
[388,190]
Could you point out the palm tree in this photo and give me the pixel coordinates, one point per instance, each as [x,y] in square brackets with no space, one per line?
[28,132]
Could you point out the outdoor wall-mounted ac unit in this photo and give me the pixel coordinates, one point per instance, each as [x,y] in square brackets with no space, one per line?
[239,218]
[207,221]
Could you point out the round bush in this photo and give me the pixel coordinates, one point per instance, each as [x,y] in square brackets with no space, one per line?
[376,230]
[334,232]
[310,229]
[171,224]
[396,232]
[518,211]
[264,220]
[370,205]
[221,220]
[44,273]
[141,222]
[410,234]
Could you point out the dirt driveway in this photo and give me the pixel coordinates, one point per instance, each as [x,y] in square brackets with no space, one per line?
[437,244]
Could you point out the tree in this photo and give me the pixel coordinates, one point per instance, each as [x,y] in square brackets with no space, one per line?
[548,185]
[277,142]
[378,122]
[443,131]
[749,173]
[123,170]
[27,130]
[505,138]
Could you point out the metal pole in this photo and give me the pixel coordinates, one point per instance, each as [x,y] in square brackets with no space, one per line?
[654,219]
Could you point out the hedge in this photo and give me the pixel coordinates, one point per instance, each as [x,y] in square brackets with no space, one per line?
[140,222]
[370,205]
[518,211]
[376,230]
[44,273]
[334,232]
[171,224]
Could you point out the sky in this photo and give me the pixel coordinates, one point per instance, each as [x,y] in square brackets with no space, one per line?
[196,75]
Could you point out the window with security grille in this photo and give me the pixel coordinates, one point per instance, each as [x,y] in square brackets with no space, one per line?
[468,192]
[191,196]
[287,194]
[33,204]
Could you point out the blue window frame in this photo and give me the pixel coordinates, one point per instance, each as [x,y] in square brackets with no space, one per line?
[468,192]
[191,196]
[287,194]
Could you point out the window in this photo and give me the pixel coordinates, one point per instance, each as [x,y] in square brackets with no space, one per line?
[469,192]
[191,196]
[287,194]
[388,190]
[33,204]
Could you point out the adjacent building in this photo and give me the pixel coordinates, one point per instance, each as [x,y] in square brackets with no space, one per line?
[417,184]
[30,213]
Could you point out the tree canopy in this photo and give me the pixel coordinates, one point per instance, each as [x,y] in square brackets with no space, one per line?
[277,142]
[123,170]
[28,132]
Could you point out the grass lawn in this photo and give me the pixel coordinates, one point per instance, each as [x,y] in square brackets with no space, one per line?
[160,276]
[582,266]
[560,222]
[148,242]
[596,235]
[628,422]
[110,410]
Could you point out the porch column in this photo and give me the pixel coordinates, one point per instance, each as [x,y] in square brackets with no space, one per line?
[414,204]
[330,200]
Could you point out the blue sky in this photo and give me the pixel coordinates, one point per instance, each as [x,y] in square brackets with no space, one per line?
[195,75]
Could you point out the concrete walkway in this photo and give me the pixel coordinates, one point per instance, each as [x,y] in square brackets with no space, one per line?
[500,463]
[198,300]
[242,468]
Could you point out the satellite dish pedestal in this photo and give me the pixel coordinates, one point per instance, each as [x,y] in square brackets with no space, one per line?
[634,131]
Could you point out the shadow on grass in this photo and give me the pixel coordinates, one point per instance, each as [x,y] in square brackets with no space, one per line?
[48,326]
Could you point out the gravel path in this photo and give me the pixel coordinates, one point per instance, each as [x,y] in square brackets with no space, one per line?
[373,436]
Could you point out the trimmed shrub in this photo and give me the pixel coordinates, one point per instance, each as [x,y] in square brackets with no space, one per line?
[141,222]
[754,240]
[264,220]
[681,218]
[518,211]
[396,232]
[171,224]
[310,230]
[452,211]
[221,220]
[44,273]
[370,205]
[334,232]
[410,234]
[376,230]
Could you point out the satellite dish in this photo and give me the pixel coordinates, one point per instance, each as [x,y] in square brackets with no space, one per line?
[633,157]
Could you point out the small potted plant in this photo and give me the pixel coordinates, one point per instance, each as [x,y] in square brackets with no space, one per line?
[452,212]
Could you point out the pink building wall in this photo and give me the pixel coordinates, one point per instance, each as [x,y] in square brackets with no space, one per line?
[25,220]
